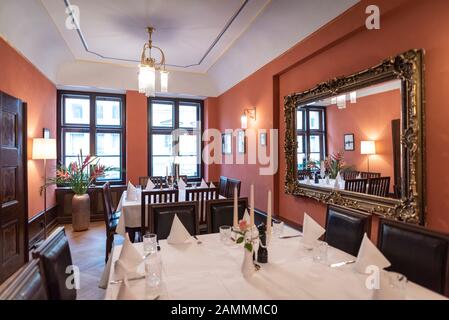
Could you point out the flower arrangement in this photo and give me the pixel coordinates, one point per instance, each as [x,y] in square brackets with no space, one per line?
[245,232]
[77,176]
[334,164]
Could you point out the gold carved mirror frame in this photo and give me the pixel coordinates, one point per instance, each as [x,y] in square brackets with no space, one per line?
[407,67]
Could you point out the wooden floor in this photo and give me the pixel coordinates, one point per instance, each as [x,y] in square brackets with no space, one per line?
[87,250]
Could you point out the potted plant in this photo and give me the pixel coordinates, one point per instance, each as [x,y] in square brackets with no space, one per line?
[79,176]
[334,164]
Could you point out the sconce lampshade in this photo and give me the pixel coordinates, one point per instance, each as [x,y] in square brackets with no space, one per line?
[244,121]
[44,149]
[368,147]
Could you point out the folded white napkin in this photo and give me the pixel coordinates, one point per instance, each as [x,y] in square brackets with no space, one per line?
[212,185]
[369,255]
[181,184]
[337,184]
[359,176]
[311,231]
[150,185]
[128,260]
[203,184]
[131,192]
[339,178]
[246,217]
[125,292]
[178,233]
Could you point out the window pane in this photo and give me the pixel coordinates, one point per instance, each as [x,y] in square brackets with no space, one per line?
[315,157]
[162,115]
[301,161]
[188,166]
[315,144]
[300,144]
[111,162]
[77,110]
[160,164]
[299,120]
[76,141]
[314,117]
[108,112]
[188,116]
[188,145]
[108,144]
[162,145]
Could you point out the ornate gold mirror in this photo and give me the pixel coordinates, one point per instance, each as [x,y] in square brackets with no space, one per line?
[358,141]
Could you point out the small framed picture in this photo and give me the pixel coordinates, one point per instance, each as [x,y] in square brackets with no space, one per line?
[263,139]
[349,142]
[241,141]
[46,133]
[226,143]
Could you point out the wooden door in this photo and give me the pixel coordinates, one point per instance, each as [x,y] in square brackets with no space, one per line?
[13,192]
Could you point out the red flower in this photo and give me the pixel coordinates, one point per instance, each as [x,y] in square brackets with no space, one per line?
[243,225]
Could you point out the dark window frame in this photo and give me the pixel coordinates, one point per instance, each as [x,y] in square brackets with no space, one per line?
[92,128]
[168,130]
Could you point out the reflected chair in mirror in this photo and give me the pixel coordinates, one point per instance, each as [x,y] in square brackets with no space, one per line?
[55,258]
[416,252]
[162,216]
[220,212]
[223,186]
[27,284]
[232,184]
[302,174]
[201,196]
[369,175]
[379,186]
[345,228]
[350,175]
[356,185]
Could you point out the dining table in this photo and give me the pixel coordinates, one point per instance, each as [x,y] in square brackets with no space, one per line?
[330,184]
[210,269]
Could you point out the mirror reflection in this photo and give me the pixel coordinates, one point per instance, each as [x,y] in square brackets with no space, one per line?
[352,141]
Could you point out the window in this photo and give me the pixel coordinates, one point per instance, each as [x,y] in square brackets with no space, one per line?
[310,135]
[175,135]
[93,123]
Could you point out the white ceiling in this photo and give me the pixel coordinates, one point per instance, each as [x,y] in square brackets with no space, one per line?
[210,45]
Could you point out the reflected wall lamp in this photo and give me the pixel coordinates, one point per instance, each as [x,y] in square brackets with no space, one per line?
[368,148]
[247,114]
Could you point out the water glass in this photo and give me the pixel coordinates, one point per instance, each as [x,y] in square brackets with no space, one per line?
[278,228]
[149,243]
[153,270]
[320,252]
[225,233]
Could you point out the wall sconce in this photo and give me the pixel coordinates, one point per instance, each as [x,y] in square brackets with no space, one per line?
[247,114]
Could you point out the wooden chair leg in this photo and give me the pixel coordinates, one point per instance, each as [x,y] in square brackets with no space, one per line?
[109,241]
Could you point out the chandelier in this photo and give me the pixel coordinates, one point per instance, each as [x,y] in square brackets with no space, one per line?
[148,67]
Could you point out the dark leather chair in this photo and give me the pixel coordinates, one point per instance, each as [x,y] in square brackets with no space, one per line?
[110,218]
[223,186]
[231,186]
[416,252]
[54,256]
[27,284]
[163,215]
[154,197]
[345,228]
[220,212]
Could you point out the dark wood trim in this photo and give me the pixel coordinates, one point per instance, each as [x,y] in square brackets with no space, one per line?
[25,176]
[36,226]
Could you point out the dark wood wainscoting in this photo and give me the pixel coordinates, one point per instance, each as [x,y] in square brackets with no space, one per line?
[36,226]
[64,202]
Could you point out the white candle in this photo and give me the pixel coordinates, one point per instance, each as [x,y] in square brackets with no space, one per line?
[251,203]
[236,210]
[166,171]
[269,214]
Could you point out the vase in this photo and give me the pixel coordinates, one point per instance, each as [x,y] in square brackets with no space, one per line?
[80,212]
[248,267]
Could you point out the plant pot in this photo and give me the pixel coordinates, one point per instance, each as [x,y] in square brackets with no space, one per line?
[248,267]
[80,212]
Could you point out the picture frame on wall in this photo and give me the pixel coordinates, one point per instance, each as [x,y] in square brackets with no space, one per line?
[349,142]
[241,141]
[46,133]
[226,143]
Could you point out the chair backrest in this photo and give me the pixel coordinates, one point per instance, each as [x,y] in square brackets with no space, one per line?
[350,175]
[232,184]
[416,252]
[302,174]
[356,185]
[107,204]
[220,212]
[154,197]
[223,186]
[368,175]
[201,195]
[27,284]
[54,256]
[345,228]
[163,215]
[379,186]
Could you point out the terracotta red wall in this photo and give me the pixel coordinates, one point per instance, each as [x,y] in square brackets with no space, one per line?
[19,78]
[342,47]
[368,119]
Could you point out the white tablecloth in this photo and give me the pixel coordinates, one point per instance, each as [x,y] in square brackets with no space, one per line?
[323,184]
[212,271]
